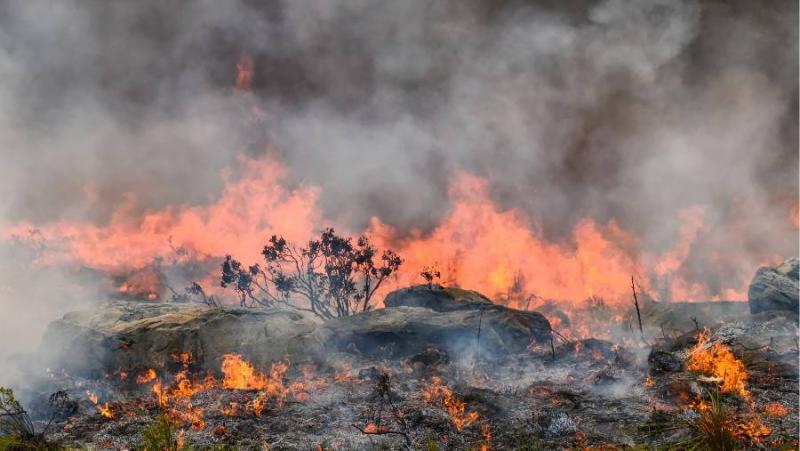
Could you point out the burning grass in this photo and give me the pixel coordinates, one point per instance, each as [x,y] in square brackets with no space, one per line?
[177,399]
[581,394]
[718,362]
[104,409]
[776,409]
[163,435]
[438,393]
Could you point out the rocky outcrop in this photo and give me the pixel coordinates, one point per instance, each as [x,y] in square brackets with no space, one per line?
[396,332]
[133,335]
[130,336]
[775,288]
[436,298]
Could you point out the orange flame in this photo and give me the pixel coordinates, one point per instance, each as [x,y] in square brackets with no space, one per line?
[372,428]
[345,374]
[241,375]
[500,252]
[776,409]
[487,437]
[753,428]
[718,361]
[457,409]
[146,377]
[104,409]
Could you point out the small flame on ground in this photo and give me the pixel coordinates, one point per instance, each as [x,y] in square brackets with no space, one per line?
[146,377]
[372,428]
[486,432]
[776,409]
[345,374]
[436,392]
[753,428]
[717,360]
[104,409]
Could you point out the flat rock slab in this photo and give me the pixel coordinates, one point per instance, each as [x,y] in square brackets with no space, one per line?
[134,335]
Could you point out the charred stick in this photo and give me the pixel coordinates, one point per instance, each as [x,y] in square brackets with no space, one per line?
[636,303]
[562,337]
[478,339]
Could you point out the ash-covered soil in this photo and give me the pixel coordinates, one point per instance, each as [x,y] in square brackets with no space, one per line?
[447,370]
[587,393]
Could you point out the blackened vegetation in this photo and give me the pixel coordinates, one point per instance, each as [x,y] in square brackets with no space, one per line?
[334,276]
[383,399]
[429,273]
[638,313]
[194,292]
[13,417]
[17,431]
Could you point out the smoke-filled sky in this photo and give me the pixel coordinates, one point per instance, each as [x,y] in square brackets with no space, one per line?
[608,109]
[641,112]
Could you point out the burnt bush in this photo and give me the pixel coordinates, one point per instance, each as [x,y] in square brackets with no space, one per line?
[331,276]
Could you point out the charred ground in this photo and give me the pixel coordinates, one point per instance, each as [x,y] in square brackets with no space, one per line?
[437,368]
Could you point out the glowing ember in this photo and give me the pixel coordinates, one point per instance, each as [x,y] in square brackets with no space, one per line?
[718,361]
[183,358]
[373,428]
[161,397]
[345,374]
[486,445]
[147,376]
[776,409]
[435,392]
[751,428]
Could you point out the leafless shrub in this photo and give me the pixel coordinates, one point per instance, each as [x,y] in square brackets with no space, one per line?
[334,276]
[431,273]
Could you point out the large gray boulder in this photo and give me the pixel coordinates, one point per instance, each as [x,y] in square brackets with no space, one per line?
[436,298]
[775,288]
[131,336]
[397,332]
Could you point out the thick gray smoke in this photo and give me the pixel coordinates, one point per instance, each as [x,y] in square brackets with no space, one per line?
[571,109]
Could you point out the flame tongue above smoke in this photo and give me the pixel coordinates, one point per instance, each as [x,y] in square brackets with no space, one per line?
[244,72]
